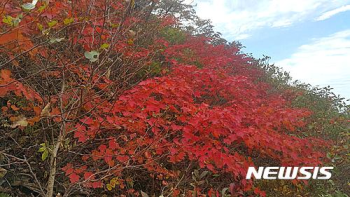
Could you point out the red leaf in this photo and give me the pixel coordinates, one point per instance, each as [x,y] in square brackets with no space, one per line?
[74,178]
[81,136]
[88,175]
[112,144]
[5,75]
[87,120]
[68,169]
[122,158]
[97,184]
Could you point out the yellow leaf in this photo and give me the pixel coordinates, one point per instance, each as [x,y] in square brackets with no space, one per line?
[109,187]
[8,20]
[68,21]
[114,25]
[130,42]
[40,26]
[52,23]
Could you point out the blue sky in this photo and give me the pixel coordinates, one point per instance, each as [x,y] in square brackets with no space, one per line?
[308,38]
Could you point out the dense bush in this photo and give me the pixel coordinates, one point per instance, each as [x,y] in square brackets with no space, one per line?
[119,98]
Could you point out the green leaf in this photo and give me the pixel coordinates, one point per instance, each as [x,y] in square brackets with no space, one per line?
[114,25]
[14,22]
[42,7]
[44,155]
[17,20]
[223,191]
[329,155]
[40,26]
[203,174]
[337,157]
[68,21]
[4,195]
[196,173]
[104,46]
[41,149]
[340,194]
[130,183]
[44,150]
[52,23]
[92,55]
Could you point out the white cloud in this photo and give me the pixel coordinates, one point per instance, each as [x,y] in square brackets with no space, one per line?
[331,13]
[188,1]
[234,18]
[324,61]
[242,36]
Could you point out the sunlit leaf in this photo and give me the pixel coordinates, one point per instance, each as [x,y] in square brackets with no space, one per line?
[92,55]
[19,121]
[28,6]
[46,110]
[55,40]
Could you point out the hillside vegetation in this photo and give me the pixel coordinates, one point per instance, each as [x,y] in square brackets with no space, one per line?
[143,98]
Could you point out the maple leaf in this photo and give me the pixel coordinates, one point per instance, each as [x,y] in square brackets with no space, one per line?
[88,175]
[68,169]
[81,136]
[80,133]
[112,144]
[96,184]
[122,158]
[5,75]
[74,178]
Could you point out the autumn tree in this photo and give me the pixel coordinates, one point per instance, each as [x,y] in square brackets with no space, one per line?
[122,98]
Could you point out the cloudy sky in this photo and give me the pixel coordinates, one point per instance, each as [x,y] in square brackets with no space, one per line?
[308,38]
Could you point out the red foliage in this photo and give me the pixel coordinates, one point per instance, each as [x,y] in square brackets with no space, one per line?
[211,109]
[218,116]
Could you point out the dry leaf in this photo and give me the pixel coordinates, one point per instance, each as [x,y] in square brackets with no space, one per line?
[132,33]
[3,172]
[18,121]
[143,194]
[46,110]
[108,73]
